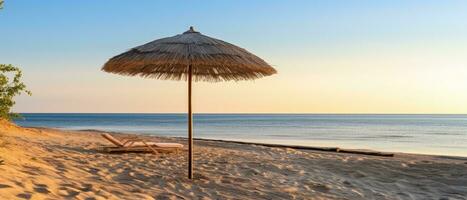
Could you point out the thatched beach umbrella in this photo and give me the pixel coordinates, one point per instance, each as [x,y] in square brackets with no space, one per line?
[190,56]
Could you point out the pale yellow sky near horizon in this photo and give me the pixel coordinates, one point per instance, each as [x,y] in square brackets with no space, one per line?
[412,79]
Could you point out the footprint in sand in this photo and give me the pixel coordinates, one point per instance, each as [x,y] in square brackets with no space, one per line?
[68,193]
[347,183]
[67,190]
[168,196]
[41,188]
[321,187]
[24,196]
[86,187]
[240,180]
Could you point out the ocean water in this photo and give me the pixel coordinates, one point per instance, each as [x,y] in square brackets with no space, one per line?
[426,134]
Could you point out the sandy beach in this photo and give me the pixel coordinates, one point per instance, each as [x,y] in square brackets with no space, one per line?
[39,163]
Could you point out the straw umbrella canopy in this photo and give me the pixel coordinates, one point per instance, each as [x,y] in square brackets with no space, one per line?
[190,56]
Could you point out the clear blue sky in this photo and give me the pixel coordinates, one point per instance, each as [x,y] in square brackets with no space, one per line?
[324,52]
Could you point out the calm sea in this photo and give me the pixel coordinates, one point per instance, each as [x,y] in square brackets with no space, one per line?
[427,134]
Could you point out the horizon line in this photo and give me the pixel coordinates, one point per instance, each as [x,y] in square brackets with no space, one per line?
[259,113]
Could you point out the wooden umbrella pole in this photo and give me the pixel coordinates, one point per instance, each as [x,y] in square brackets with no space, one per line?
[190,126]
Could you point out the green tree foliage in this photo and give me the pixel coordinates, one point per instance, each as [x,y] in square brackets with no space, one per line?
[1,4]
[10,86]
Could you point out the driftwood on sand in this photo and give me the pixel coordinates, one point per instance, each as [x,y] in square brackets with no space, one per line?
[331,149]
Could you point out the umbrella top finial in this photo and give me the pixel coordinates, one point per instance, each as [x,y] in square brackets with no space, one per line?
[191,30]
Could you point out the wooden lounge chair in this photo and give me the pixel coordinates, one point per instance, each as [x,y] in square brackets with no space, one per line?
[134,144]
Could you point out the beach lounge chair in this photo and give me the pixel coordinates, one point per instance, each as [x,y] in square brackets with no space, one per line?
[134,144]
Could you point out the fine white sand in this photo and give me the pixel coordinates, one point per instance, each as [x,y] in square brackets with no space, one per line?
[52,164]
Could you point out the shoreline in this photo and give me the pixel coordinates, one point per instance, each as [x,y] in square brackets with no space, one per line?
[385,133]
[299,147]
[361,151]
